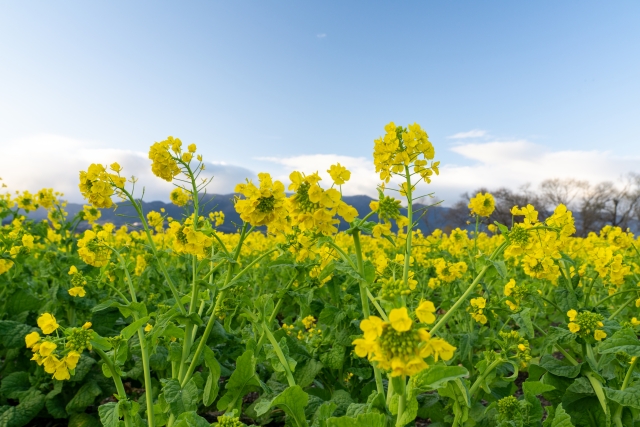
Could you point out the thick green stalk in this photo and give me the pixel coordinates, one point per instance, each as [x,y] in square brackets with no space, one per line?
[364,299]
[280,354]
[189,327]
[399,388]
[122,394]
[478,382]
[143,346]
[619,310]
[407,255]
[617,417]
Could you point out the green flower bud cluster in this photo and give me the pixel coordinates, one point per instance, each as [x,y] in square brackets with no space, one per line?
[392,288]
[226,421]
[79,339]
[398,344]
[302,197]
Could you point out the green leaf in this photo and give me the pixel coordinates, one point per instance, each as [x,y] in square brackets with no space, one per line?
[629,397]
[305,374]
[133,307]
[12,333]
[369,272]
[323,412]
[22,300]
[623,341]
[523,320]
[327,271]
[560,419]
[133,328]
[84,397]
[334,358]
[435,377]
[15,384]
[83,367]
[500,267]
[292,401]
[536,388]
[565,297]
[100,342]
[559,368]
[531,389]
[55,406]
[243,380]
[362,420]
[31,403]
[191,419]
[212,387]
[109,414]
[180,400]
[83,420]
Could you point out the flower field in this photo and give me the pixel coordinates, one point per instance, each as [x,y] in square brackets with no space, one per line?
[171,322]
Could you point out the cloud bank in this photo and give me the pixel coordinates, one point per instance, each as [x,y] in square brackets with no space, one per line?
[47,161]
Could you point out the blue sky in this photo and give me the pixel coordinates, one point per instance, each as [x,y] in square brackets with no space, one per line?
[535,90]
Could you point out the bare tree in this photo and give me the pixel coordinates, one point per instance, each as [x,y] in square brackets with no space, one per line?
[562,191]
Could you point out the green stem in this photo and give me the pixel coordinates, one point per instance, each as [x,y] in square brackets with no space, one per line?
[617,417]
[399,387]
[465,295]
[189,327]
[122,394]
[407,256]
[619,310]
[614,295]
[377,306]
[567,356]
[478,382]
[363,296]
[280,354]
[588,293]
[143,346]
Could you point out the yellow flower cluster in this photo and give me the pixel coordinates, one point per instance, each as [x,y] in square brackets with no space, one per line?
[264,205]
[92,248]
[449,271]
[482,204]
[78,283]
[45,349]
[313,208]
[400,148]
[97,185]
[163,164]
[91,214]
[516,294]
[217,218]
[387,208]
[586,324]
[477,309]
[179,196]
[189,240]
[399,346]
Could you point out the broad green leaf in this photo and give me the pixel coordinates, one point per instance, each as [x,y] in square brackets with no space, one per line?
[12,333]
[212,387]
[560,419]
[243,380]
[22,300]
[500,267]
[559,368]
[84,397]
[15,384]
[334,358]
[623,341]
[305,374]
[629,397]
[436,376]
[109,414]
[565,297]
[55,406]
[523,320]
[100,342]
[180,400]
[323,412]
[536,388]
[84,366]
[362,420]
[133,328]
[30,404]
[83,420]
[191,419]
[292,401]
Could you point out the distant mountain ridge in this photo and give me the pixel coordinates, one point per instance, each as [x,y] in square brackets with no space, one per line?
[435,217]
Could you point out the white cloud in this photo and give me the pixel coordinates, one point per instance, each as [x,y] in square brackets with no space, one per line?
[514,163]
[50,161]
[47,161]
[321,35]
[476,133]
